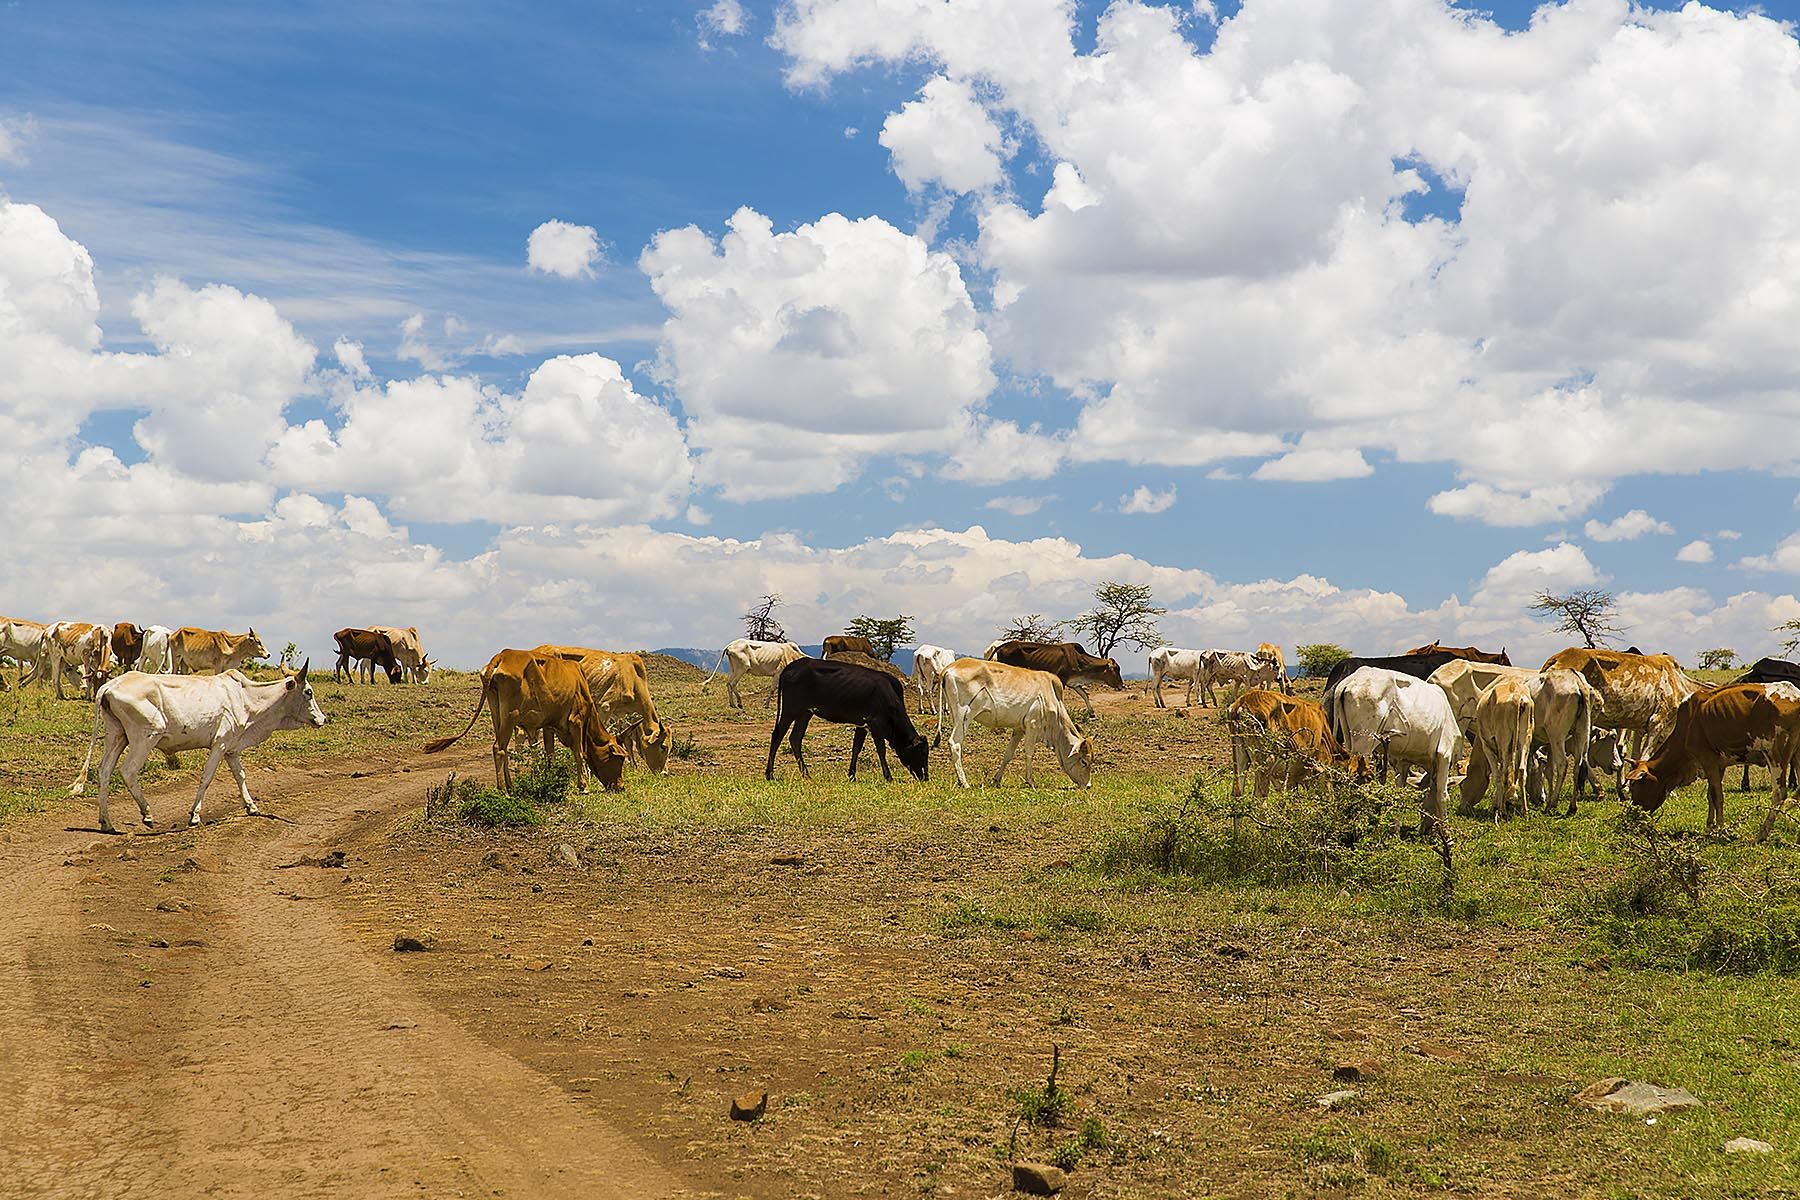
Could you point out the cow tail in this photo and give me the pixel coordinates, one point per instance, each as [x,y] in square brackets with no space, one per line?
[715,671]
[446,743]
[1584,722]
[80,784]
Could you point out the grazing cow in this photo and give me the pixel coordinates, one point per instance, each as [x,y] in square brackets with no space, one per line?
[1268,728]
[1239,668]
[1024,702]
[141,714]
[1269,652]
[1172,662]
[1072,665]
[621,687]
[845,643]
[1465,652]
[158,654]
[929,665]
[1711,730]
[746,656]
[1406,719]
[847,694]
[24,642]
[127,645]
[83,647]
[414,662]
[1638,693]
[196,650]
[360,649]
[1562,715]
[1503,728]
[530,695]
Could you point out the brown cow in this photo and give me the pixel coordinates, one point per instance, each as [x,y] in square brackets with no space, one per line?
[844,643]
[1712,730]
[1267,726]
[1065,660]
[364,647]
[529,695]
[192,650]
[620,684]
[1639,693]
[82,646]
[1468,652]
[127,644]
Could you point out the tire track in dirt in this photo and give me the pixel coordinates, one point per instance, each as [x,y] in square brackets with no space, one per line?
[179,1017]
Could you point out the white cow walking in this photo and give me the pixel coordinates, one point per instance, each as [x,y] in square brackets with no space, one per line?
[227,714]
[929,665]
[1026,703]
[1409,719]
[1172,662]
[157,658]
[746,656]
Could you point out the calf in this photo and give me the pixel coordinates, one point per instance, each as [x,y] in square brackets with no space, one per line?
[1268,728]
[929,665]
[1711,730]
[1072,665]
[847,694]
[530,695]
[1503,731]
[1026,703]
[1404,718]
[227,714]
[364,648]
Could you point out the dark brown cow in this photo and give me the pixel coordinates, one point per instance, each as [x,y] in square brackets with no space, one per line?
[1711,731]
[127,644]
[359,646]
[1468,652]
[1065,660]
[846,643]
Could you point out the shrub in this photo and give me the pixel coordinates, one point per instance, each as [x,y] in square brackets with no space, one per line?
[1317,658]
[536,785]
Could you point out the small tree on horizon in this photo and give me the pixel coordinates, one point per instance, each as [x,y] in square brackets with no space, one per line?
[1317,658]
[1125,613]
[1717,660]
[886,634]
[1792,629]
[1032,627]
[760,624]
[1585,612]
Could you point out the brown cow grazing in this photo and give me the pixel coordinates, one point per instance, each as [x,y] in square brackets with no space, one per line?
[844,643]
[192,650]
[1065,660]
[530,695]
[80,646]
[621,687]
[1468,652]
[1270,730]
[1639,693]
[1712,730]
[1271,653]
[360,648]
[127,645]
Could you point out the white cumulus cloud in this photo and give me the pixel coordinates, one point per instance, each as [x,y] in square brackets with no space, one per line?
[945,137]
[1629,527]
[1143,501]
[1696,551]
[559,248]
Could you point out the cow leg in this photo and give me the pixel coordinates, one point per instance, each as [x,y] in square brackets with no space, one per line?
[1081,690]
[237,772]
[794,740]
[959,726]
[881,756]
[1474,784]
[1715,798]
[1156,686]
[206,777]
[856,745]
[1780,761]
[109,758]
[781,726]
[578,747]
[1011,748]
[734,698]
[339,669]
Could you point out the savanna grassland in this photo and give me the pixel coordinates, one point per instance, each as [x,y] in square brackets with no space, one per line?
[895,962]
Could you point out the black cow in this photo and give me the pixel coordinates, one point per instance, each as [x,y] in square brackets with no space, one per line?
[847,694]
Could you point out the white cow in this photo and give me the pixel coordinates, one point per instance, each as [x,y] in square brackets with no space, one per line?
[1244,668]
[929,665]
[1026,703]
[1172,662]
[1563,705]
[407,652]
[227,714]
[746,656]
[157,658]
[1410,720]
[24,643]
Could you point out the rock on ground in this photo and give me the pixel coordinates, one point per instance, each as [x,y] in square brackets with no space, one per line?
[1038,1179]
[1615,1094]
[1744,1145]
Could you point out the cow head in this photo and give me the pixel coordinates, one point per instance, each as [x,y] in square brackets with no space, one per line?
[258,650]
[299,709]
[422,672]
[1110,676]
[656,742]
[1078,762]
[915,756]
[1644,789]
[605,757]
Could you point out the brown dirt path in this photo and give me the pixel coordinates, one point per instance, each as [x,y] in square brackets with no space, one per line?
[178,1017]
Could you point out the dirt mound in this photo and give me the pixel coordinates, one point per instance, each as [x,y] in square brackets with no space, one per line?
[664,668]
[863,660]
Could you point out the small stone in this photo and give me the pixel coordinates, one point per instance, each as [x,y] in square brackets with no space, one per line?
[1744,1145]
[1335,1100]
[750,1106]
[726,973]
[405,943]
[171,906]
[540,965]
[587,941]
[1614,1094]
[537,887]
[568,856]
[333,860]
[491,861]
[157,943]
[1038,1179]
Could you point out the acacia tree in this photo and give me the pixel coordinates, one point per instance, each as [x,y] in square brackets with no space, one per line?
[1717,660]
[760,624]
[1123,612]
[886,634]
[1032,627]
[1585,612]
[1792,629]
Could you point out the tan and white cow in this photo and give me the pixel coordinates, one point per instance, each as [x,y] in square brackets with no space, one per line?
[83,647]
[746,656]
[1563,706]
[1270,732]
[1239,668]
[194,651]
[1269,652]
[1638,693]
[1173,662]
[929,664]
[408,651]
[1502,729]
[23,642]
[1018,700]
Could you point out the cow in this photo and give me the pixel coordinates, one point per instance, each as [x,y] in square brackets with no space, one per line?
[1709,731]
[414,662]
[360,648]
[1771,670]
[847,694]
[1271,653]
[1172,662]
[140,714]
[127,645]
[196,650]
[929,665]
[844,643]
[1638,693]
[746,656]
[1503,729]
[1024,702]
[1072,665]
[621,687]
[24,642]
[1269,728]
[530,695]
[1241,668]
[158,654]
[1404,718]
[1562,723]
[81,646]
[1465,652]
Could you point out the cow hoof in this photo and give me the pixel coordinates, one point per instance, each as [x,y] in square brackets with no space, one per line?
[193,822]
[149,824]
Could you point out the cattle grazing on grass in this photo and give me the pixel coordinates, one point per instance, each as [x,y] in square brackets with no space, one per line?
[845,643]
[1399,719]
[25,643]
[1269,652]
[847,694]
[531,695]
[1018,700]
[414,662]
[1711,730]
[364,649]
[1173,662]
[127,645]
[139,714]
[1241,669]
[929,665]
[1638,693]
[157,656]
[194,651]
[82,647]
[1503,728]
[1270,732]
[746,656]
[1563,707]
[1072,665]
[621,687]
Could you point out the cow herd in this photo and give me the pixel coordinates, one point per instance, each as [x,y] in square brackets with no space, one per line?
[91,652]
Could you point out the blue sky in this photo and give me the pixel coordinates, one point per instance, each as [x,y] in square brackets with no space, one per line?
[357,165]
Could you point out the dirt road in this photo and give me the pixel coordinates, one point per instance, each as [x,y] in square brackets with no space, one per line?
[179,1016]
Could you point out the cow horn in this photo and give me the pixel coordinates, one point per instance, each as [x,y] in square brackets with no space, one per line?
[305,666]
